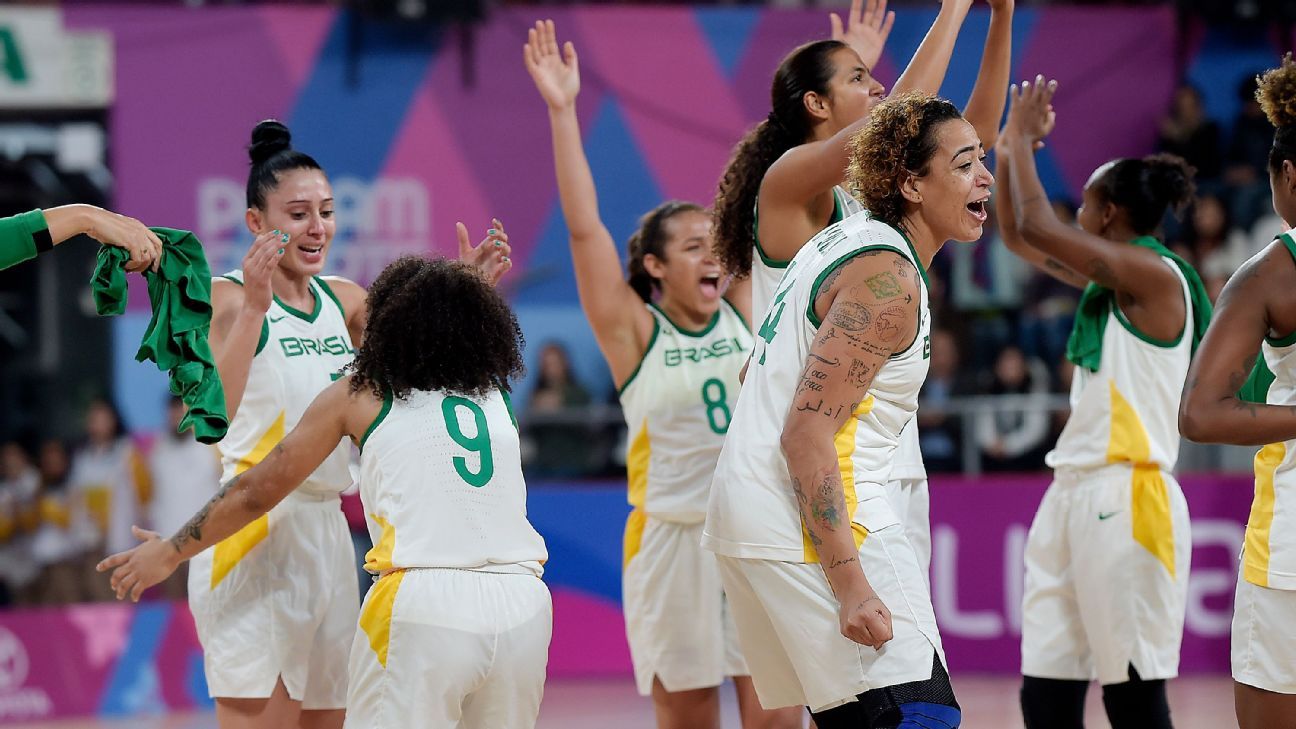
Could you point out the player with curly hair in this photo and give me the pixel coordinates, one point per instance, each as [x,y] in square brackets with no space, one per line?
[274,605]
[784,181]
[1108,551]
[455,632]
[832,605]
[1254,334]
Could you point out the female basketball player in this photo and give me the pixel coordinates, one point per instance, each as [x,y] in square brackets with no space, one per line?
[783,184]
[1107,555]
[814,558]
[675,362]
[274,604]
[1257,315]
[455,632]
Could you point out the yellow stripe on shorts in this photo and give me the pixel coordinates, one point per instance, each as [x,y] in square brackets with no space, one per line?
[231,550]
[1150,518]
[1255,562]
[376,618]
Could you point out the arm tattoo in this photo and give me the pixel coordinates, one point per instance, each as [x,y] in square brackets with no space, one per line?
[888,328]
[826,362]
[192,532]
[828,504]
[850,316]
[884,285]
[859,373]
[838,562]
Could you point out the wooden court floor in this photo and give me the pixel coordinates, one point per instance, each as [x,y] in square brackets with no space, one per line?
[989,702]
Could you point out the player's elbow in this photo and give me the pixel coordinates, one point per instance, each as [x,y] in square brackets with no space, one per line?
[1197,422]
[796,442]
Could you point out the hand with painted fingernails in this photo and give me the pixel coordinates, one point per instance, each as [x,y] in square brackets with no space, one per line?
[259,266]
[492,257]
[556,76]
[142,566]
[127,233]
[866,29]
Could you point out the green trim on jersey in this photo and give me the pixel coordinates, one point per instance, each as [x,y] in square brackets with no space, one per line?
[265,324]
[737,313]
[652,339]
[1286,341]
[308,318]
[1129,327]
[329,291]
[715,319]
[814,289]
[838,215]
[386,408]
[1290,339]
[913,252]
[508,405]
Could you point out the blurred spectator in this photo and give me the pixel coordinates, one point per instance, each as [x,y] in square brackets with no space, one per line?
[1187,132]
[940,433]
[19,489]
[559,448]
[111,479]
[1216,247]
[1247,164]
[1050,306]
[986,281]
[1015,439]
[58,547]
[185,474]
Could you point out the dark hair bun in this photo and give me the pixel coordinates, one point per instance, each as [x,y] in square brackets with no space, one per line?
[1171,180]
[268,139]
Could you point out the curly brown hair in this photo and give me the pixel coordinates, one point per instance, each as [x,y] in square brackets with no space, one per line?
[436,324]
[1277,96]
[899,140]
[808,68]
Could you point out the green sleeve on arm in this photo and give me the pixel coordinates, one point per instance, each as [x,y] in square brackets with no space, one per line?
[17,241]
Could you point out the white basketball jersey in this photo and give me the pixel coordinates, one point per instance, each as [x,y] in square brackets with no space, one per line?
[1128,411]
[678,406]
[752,512]
[767,271]
[1269,554]
[299,354]
[441,482]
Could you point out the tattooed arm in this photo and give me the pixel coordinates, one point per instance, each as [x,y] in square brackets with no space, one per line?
[869,309]
[1210,410]
[245,498]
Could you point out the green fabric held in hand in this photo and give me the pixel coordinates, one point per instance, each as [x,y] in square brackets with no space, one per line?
[1084,347]
[176,338]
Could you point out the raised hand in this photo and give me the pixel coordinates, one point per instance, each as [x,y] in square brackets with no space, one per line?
[491,256]
[259,265]
[557,77]
[866,29]
[142,566]
[1030,110]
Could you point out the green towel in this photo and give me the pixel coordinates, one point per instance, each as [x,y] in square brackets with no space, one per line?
[176,338]
[1084,347]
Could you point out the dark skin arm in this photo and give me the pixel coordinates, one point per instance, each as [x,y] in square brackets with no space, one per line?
[869,310]
[1256,302]
[335,414]
[1012,238]
[1148,291]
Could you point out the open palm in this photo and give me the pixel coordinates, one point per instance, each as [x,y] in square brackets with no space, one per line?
[866,29]
[556,76]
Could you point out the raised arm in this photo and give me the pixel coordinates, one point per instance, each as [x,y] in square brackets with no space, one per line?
[926,70]
[985,106]
[615,312]
[1133,270]
[1007,221]
[871,311]
[238,315]
[23,236]
[240,501]
[1210,410]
